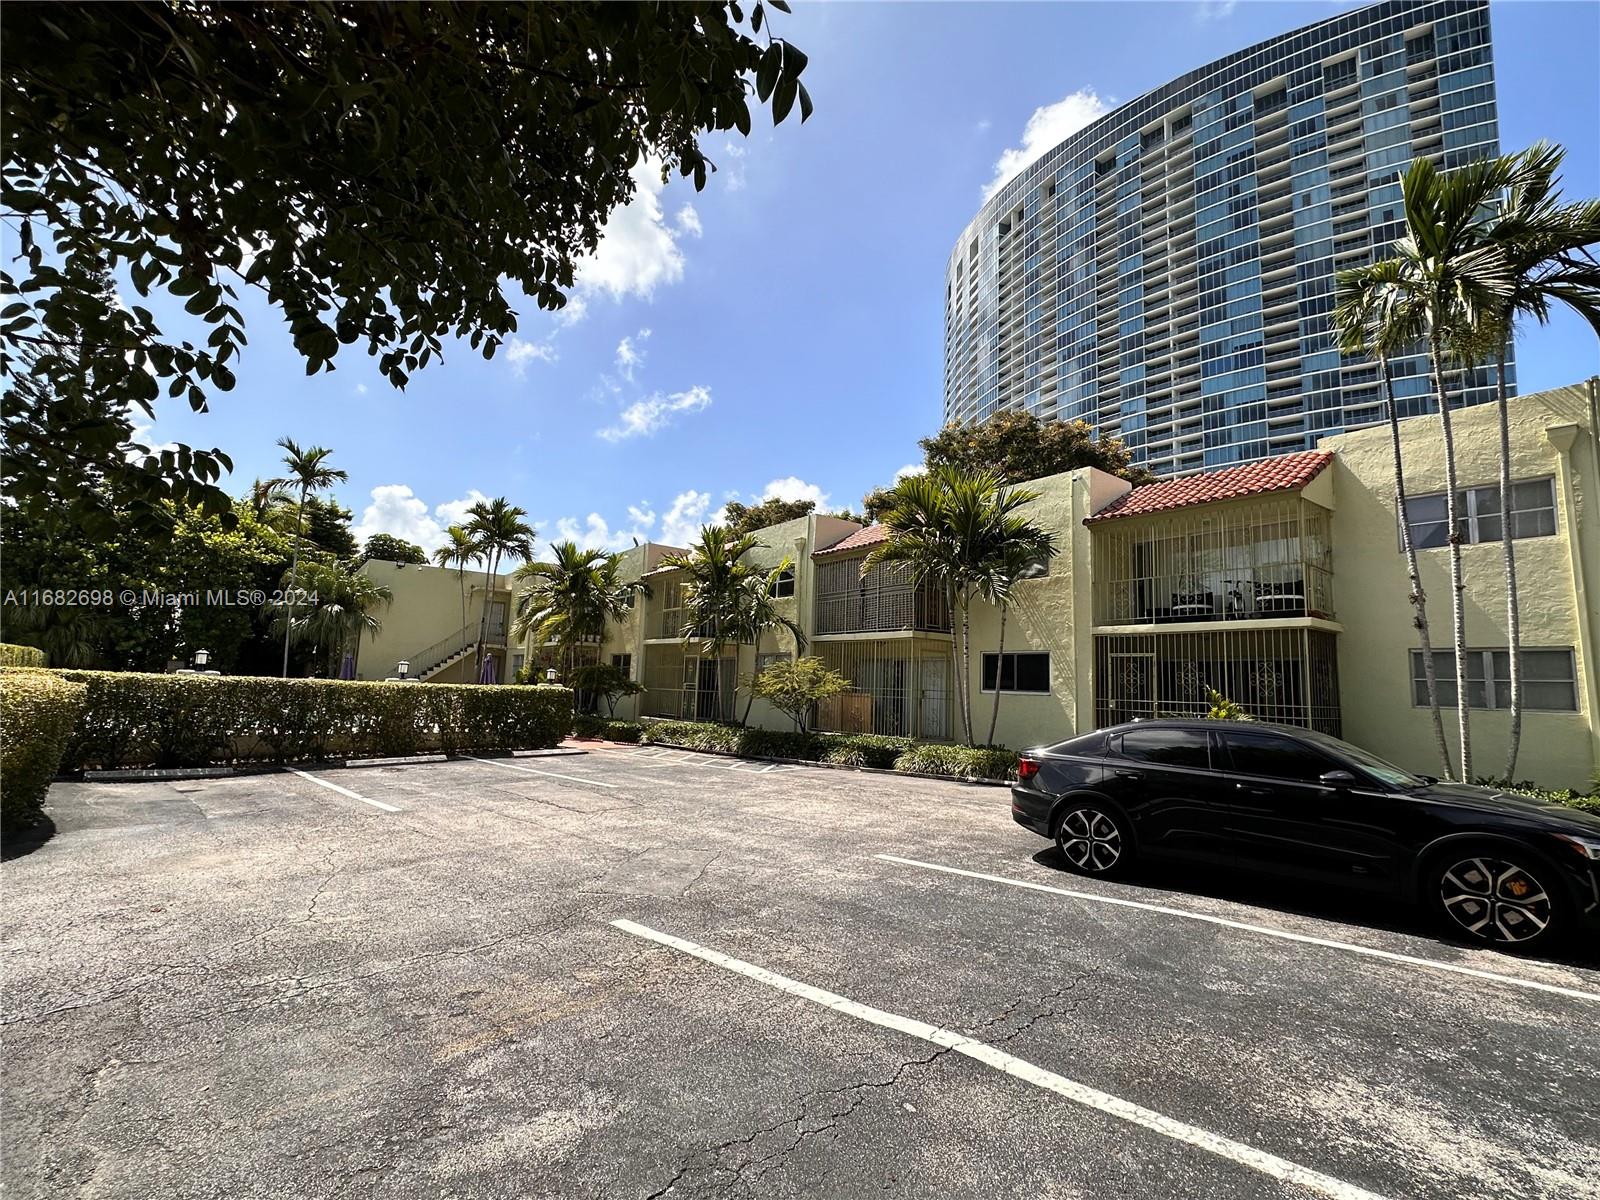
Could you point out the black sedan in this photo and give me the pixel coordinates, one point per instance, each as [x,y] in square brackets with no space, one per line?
[1500,868]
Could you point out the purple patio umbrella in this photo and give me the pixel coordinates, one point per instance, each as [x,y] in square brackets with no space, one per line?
[347,668]
[487,675]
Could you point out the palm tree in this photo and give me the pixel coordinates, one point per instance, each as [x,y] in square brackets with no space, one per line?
[1011,550]
[266,495]
[716,574]
[1455,286]
[1546,243]
[760,611]
[569,600]
[346,606]
[308,470]
[457,552]
[497,528]
[955,529]
[1371,317]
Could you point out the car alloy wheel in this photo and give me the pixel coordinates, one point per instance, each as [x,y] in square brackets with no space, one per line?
[1090,840]
[1495,900]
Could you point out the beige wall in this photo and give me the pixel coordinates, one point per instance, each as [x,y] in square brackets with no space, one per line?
[1557,749]
[426,609]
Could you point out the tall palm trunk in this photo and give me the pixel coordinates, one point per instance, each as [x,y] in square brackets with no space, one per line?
[999,668]
[1419,599]
[1513,609]
[294,578]
[958,684]
[966,660]
[1458,612]
[483,617]
[750,700]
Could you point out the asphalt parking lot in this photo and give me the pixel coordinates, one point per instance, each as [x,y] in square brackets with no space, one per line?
[414,982]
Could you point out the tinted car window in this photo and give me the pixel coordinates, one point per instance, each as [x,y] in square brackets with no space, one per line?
[1167,747]
[1090,743]
[1276,757]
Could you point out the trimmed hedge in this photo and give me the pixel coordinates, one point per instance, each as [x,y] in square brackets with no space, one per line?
[961,762]
[37,714]
[585,726]
[20,656]
[132,719]
[847,749]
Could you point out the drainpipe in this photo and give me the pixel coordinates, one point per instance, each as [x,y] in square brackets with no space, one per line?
[1563,437]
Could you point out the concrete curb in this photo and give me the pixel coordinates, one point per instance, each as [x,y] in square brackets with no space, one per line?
[973,780]
[244,770]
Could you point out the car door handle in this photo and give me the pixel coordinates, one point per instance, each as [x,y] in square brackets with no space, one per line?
[1130,774]
[1250,789]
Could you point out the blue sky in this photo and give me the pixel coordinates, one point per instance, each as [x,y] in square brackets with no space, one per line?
[781,331]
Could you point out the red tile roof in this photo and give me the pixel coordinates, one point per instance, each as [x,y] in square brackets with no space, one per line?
[1286,473]
[861,539]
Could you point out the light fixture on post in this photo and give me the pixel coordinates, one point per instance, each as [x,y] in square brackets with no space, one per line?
[402,667]
[201,658]
[549,674]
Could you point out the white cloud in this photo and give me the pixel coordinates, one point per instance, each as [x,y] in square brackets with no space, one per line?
[397,510]
[454,512]
[792,487]
[638,252]
[361,389]
[1214,10]
[985,125]
[733,173]
[682,523]
[520,353]
[644,417]
[630,353]
[908,470]
[1048,127]
[688,221]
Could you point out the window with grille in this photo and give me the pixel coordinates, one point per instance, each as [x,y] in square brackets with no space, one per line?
[1533,514]
[1549,679]
[1026,672]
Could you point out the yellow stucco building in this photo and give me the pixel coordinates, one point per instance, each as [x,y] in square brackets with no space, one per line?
[1279,584]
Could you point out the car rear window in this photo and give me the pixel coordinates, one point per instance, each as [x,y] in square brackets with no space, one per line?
[1167,747]
[1089,743]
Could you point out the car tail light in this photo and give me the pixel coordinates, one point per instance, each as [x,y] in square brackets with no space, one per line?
[1027,768]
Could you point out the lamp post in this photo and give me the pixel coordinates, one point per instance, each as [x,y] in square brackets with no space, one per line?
[549,674]
[403,666]
[201,658]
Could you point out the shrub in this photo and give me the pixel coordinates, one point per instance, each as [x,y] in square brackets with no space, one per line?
[623,731]
[847,749]
[1223,709]
[586,726]
[20,656]
[863,749]
[132,719]
[959,762]
[37,715]
[797,686]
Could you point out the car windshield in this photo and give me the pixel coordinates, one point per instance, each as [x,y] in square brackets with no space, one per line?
[1384,772]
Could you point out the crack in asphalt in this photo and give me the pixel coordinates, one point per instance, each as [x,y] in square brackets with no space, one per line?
[805,1122]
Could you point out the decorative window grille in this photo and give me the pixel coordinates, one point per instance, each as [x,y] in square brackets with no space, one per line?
[1240,562]
[1290,676]
[900,686]
[885,601]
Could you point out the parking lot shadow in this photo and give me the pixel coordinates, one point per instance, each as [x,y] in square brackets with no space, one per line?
[1349,907]
[26,841]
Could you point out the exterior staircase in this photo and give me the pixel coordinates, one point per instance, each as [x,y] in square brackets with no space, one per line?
[443,654]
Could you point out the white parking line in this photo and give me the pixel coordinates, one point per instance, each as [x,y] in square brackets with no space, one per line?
[1277,933]
[343,791]
[548,774]
[1010,1064]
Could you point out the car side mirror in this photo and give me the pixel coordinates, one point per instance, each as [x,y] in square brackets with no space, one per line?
[1337,779]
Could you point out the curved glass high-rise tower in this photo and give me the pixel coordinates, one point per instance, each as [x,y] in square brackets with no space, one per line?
[1167,273]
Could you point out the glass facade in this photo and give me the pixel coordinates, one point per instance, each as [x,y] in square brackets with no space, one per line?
[1166,274]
